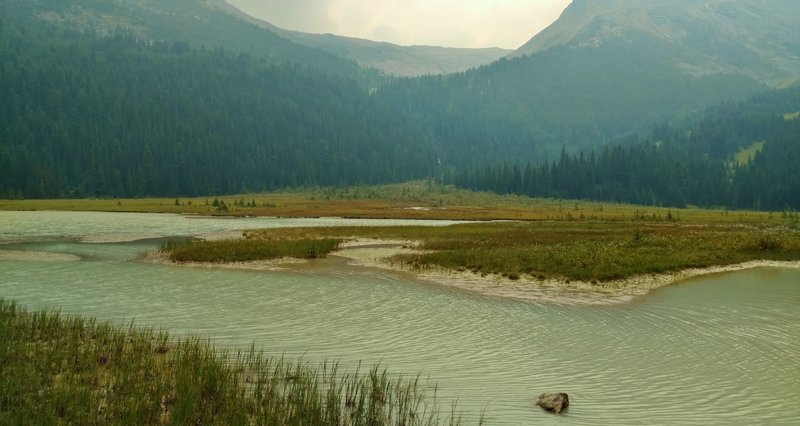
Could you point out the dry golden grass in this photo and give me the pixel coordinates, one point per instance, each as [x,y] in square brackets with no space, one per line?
[414,200]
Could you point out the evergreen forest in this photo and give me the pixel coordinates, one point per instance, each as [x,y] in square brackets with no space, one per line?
[171,99]
[675,165]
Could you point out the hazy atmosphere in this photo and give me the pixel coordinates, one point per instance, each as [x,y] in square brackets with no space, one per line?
[416,212]
[448,23]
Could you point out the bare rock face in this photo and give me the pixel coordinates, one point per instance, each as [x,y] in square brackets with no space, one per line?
[554,402]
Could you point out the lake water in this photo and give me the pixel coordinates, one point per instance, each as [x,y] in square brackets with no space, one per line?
[721,350]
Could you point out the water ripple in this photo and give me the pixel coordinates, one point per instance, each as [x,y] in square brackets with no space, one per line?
[713,351]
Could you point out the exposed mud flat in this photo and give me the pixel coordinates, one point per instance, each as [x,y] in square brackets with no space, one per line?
[36,256]
[280,264]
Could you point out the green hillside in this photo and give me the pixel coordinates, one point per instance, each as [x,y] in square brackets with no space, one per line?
[193,22]
[120,116]
[526,109]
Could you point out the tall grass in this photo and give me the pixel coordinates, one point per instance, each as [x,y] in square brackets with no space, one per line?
[227,251]
[57,369]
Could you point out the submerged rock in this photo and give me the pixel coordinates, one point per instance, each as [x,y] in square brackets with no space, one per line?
[555,402]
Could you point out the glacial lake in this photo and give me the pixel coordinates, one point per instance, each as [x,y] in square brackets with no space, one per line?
[722,349]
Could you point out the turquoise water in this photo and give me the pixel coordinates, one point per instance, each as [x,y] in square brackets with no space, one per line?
[723,349]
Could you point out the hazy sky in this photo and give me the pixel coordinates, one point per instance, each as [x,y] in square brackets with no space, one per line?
[451,23]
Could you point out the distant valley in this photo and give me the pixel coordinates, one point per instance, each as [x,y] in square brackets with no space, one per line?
[389,58]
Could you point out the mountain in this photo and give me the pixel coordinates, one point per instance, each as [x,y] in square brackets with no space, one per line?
[402,61]
[109,109]
[603,69]
[175,98]
[194,23]
[389,58]
[755,38]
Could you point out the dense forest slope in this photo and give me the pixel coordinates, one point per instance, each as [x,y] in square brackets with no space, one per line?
[120,116]
[605,68]
[677,164]
[527,108]
[193,22]
[142,97]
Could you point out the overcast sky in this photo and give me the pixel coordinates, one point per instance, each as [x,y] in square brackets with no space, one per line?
[450,23]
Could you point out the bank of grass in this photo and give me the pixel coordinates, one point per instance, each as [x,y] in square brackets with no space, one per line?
[580,250]
[248,250]
[411,200]
[57,369]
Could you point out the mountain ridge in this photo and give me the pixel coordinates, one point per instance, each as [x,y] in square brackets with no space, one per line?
[389,58]
[753,38]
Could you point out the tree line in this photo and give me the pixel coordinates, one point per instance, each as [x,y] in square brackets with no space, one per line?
[675,165]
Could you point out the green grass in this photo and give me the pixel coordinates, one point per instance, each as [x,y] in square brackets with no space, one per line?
[57,369]
[579,250]
[746,155]
[791,116]
[228,251]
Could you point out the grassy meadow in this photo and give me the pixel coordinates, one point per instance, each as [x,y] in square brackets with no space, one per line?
[413,200]
[573,250]
[59,369]
[516,236]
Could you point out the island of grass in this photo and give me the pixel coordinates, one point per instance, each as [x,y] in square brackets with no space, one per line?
[248,250]
[593,252]
[69,370]
[575,250]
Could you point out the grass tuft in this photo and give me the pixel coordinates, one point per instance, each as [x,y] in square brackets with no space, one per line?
[228,251]
[60,369]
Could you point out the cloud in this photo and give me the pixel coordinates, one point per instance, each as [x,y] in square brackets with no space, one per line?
[454,23]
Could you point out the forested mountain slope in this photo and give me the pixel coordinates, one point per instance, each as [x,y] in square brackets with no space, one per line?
[193,22]
[119,116]
[528,108]
[606,68]
[677,163]
[174,98]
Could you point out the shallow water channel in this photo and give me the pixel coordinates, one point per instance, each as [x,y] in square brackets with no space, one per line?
[722,349]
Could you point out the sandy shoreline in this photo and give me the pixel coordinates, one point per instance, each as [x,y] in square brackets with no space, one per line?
[373,253]
[36,256]
[282,264]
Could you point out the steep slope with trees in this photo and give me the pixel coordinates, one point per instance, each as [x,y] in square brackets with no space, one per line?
[119,116]
[604,69]
[676,164]
[191,22]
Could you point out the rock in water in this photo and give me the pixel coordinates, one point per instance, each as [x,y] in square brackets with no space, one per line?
[555,402]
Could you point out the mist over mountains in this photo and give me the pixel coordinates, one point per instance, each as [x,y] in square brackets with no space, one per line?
[187,97]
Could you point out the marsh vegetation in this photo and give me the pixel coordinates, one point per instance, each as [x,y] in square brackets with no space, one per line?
[68,369]
[228,251]
[573,250]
